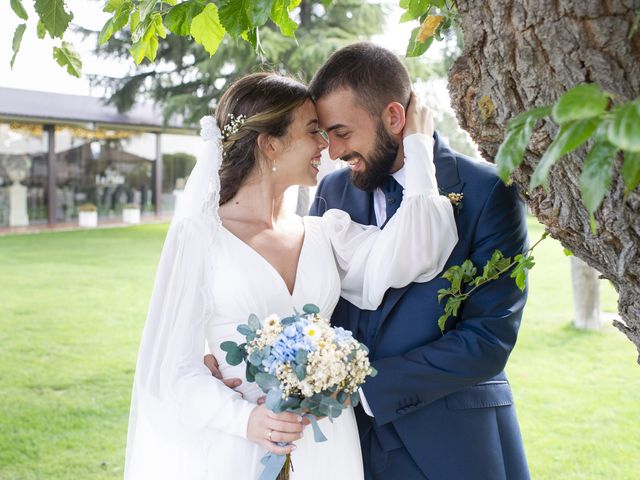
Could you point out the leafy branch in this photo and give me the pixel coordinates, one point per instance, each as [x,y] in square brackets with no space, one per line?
[464,279]
[206,21]
[436,17]
[583,113]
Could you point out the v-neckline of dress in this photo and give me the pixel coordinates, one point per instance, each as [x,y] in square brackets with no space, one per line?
[269,265]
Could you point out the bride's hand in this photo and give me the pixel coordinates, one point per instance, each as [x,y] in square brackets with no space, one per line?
[267,429]
[419,118]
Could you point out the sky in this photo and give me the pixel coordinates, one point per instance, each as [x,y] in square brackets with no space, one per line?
[35,68]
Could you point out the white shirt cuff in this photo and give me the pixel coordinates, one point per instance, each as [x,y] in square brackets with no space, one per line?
[420,170]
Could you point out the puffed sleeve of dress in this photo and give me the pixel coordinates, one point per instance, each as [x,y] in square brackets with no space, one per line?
[413,246]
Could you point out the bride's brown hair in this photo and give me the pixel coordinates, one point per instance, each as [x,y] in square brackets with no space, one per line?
[267,102]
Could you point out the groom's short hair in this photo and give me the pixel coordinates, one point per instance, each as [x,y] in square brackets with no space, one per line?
[376,76]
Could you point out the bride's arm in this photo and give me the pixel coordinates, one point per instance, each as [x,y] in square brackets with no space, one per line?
[414,244]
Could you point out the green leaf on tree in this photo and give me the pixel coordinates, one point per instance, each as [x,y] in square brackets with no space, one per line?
[414,9]
[113,5]
[570,137]
[54,16]
[66,56]
[17,40]
[624,131]
[258,11]
[146,7]
[519,130]
[597,172]
[280,16]
[18,9]
[146,38]
[179,18]
[41,30]
[233,16]
[631,171]
[207,30]
[581,102]
[115,23]
[415,48]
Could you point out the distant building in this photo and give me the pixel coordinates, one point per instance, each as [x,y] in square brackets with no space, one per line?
[58,152]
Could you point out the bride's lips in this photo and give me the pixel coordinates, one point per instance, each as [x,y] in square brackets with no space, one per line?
[315,163]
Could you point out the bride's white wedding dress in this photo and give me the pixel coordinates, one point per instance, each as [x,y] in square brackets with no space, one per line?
[186,424]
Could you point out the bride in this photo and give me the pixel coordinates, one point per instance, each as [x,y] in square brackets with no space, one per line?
[232,250]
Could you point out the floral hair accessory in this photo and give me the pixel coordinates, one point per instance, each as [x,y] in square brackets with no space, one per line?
[233,125]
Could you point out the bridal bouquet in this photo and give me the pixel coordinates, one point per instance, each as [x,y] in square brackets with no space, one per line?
[304,366]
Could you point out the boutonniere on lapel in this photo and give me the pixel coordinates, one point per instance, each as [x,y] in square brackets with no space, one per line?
[455,199]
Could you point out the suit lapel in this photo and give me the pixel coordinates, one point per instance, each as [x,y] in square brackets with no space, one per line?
[448,182]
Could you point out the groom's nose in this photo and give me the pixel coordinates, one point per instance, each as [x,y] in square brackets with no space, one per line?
[336,148]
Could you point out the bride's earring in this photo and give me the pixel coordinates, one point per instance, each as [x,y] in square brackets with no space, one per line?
[273,168]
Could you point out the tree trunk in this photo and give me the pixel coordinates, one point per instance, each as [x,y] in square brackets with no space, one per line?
[524,54]
[586,295]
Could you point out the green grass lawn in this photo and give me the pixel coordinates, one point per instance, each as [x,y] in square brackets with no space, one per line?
[72,310]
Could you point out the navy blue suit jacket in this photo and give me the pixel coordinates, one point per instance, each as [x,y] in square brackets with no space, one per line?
[445,398]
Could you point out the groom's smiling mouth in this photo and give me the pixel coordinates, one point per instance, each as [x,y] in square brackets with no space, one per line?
[355,162]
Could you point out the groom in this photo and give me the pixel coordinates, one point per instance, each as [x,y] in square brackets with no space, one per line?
[441,406]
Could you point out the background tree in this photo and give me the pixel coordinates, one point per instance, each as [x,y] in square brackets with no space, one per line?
[522,55]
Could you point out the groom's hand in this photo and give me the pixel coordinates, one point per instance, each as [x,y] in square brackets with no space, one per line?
[418,118]
[212,364]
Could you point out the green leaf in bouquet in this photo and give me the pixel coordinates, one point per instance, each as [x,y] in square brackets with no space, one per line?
[355,399]
[301,357]
[244,329]
[255,358]
[254,322]
[288,321]
[290,404]
[274,401]
[267,382]
[300,371]
[235,354]
[311,309]
[373,373]
[342,397]
[251,372]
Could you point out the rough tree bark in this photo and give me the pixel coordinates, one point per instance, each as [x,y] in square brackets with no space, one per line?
[524,54]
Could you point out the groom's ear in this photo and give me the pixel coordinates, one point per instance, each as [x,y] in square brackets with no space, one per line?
[393,118]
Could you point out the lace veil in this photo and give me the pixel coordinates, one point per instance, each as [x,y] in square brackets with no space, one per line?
[164,440]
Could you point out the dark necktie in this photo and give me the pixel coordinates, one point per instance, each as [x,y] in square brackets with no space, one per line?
[393,195]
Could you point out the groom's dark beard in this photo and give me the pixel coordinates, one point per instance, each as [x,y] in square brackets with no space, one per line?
[378,164]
